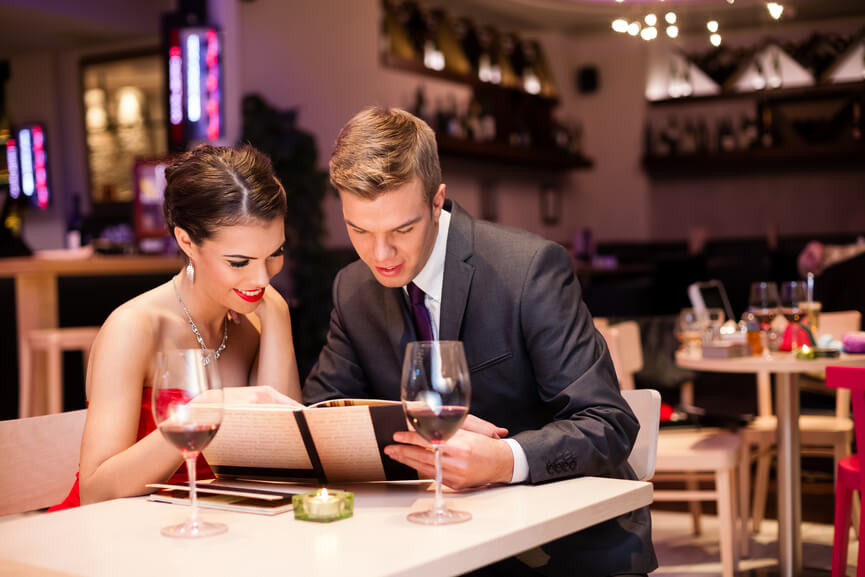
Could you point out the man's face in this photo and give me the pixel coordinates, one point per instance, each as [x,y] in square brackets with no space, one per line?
[395,233]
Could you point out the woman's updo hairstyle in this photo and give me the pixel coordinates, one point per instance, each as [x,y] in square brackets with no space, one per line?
[215,186]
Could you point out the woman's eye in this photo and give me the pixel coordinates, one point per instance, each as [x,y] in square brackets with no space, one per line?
[278,253]
[238,263]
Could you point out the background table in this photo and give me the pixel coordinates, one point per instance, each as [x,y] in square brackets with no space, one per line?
[121,537]
[786,369]
[36,287]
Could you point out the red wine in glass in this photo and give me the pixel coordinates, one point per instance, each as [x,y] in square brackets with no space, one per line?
[189,438]
[436,427]
[435,390]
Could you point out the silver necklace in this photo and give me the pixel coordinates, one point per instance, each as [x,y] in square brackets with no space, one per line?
[195,330]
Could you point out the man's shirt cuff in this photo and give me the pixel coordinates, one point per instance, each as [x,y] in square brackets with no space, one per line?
[521,464]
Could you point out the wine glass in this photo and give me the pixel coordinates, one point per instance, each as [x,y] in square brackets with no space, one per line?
[689,330]
[187,408]
[763,303]
[435,393]
[793,295]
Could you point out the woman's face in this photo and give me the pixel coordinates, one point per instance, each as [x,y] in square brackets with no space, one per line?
[236,263]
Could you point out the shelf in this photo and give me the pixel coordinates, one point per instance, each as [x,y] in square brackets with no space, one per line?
[834,156]
[501,153]
[792,94]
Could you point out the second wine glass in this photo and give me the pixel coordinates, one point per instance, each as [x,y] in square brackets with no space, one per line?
[187,408]
[435,392]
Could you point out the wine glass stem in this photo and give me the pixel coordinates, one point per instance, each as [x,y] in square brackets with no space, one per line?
[193,497]
[439,507]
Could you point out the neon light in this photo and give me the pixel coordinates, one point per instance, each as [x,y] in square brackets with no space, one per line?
[40,169]
[12,163]
[175,85]
[193,78]
[213,88]
[27,184]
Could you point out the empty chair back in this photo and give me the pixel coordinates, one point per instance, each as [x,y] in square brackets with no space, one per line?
[646,405]
[39,457]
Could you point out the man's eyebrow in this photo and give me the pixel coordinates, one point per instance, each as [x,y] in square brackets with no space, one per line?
[403,225]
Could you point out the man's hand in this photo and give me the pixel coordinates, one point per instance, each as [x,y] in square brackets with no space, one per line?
[469,459]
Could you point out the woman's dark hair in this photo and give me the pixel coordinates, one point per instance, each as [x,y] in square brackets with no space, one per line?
[215,186]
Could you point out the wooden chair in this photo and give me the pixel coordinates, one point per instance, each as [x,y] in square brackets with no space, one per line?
[848,474]
[646,405]
[52,342]
[821,435]
[40,458]
[690,455]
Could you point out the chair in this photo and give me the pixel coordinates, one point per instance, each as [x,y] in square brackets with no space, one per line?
[40,458]
[822,435]
[623,340]
[646,405]
[686,454]
[53,342]
[848,474]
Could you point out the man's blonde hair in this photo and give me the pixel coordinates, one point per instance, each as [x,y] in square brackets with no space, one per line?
[381,149]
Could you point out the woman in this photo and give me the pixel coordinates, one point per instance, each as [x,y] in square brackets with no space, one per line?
[226,210]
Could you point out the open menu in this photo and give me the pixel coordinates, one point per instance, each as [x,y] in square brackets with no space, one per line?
[339,440]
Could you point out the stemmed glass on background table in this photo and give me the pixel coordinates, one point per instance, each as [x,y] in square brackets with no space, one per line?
[187,408]
[435,392]
[793,300]
[763,304]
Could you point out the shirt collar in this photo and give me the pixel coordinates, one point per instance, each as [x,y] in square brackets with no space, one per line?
[431,277]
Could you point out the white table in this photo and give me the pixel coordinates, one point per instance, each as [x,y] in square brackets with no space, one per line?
[786,368]
[121,537]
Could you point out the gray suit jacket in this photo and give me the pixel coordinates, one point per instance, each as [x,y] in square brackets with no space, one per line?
[538,367]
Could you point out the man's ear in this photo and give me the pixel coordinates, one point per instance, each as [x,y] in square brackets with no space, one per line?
[184,241]
[438,201]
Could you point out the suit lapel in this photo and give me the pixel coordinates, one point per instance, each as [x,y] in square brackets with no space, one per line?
[458,274]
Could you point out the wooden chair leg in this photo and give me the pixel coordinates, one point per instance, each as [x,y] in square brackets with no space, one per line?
[25,389]
[744,472]
[695,507]
[55,379]
[761,487]
[725,484]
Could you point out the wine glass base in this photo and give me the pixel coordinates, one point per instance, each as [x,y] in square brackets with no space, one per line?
[444,517]
[194,529]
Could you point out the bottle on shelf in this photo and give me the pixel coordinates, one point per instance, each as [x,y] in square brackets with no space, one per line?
[767,128]
[73,224]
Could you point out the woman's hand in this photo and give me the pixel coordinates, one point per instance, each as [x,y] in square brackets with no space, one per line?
[271,308]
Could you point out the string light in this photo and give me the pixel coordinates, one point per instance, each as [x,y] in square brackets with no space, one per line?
[651,19]
[712,26]
[620,25]
[670,17]
[715,39]
[649,33]
[634,28]
[672,31]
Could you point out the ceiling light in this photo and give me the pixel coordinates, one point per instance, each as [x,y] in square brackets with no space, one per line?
[651,19]
[775,9]
[715,39]
[712,26]
[672,31]
[634,28]
[620,25]
[670,17]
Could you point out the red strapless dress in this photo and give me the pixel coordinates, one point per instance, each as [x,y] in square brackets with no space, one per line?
[146,425]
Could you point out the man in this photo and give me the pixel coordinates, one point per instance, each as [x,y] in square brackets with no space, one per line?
[538,367]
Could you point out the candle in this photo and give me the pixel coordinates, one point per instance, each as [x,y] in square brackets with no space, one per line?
[323,505]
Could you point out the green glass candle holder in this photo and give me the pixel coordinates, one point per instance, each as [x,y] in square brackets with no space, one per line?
[323,505]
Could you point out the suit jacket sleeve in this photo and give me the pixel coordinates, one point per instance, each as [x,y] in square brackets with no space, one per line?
[593,429]
[337,374]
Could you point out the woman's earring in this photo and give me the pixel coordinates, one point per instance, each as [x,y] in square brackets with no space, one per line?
[190,273]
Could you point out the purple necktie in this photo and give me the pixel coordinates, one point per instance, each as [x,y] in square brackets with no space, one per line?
[421,315]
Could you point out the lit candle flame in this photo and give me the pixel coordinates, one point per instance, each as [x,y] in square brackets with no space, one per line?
[323,493]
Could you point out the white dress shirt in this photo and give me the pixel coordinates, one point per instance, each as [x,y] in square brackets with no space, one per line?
[430,280]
